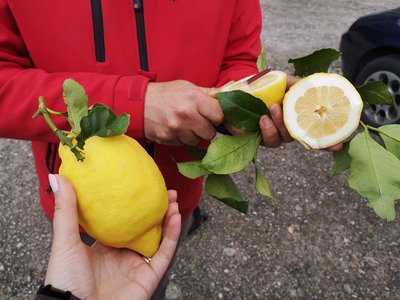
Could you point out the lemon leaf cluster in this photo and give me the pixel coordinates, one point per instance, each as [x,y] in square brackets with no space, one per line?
[228,154]
[373,165]
[96,120]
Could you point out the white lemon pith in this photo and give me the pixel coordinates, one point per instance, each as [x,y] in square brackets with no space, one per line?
[322,110]
[270,88]
[122,197]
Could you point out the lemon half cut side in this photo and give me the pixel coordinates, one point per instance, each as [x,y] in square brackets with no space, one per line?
[270,87]
[322,110]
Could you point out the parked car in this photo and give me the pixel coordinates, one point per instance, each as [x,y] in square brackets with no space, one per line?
[371,51]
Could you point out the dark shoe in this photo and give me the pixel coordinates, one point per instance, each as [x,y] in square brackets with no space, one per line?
[198,219]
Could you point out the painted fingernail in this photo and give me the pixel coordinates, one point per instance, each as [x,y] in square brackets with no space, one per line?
[53,183]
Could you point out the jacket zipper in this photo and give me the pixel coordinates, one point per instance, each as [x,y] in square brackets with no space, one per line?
[142,45]
[98,30]
[141,34]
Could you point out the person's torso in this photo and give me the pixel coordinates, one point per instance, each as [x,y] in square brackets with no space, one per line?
[178,39]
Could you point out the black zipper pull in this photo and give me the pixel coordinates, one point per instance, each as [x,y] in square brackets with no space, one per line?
[138,5]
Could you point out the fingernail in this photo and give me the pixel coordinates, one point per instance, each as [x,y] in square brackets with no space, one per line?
[273,107]
[266,122]
[53,183]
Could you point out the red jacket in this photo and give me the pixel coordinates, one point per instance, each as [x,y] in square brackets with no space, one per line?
[113,48]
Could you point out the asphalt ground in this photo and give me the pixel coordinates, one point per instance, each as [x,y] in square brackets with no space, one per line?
[318,239]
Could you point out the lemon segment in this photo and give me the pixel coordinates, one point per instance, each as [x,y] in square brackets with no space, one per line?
[270,88]
[122,197]
[322,110]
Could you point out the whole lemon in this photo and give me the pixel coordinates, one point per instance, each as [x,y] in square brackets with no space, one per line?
[122,197]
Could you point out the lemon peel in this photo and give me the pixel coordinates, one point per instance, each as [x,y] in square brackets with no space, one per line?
[122,197]
[270,88]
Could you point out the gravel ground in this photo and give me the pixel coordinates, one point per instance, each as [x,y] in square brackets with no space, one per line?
[317,240]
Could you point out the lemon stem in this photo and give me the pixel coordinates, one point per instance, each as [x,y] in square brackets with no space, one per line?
[45,113]
[369,127]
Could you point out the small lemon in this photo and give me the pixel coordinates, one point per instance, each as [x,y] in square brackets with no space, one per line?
[122,197]
[270,87]
[322,110]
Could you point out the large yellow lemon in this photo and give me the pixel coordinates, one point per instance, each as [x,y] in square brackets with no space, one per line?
[270,87]
[322,110]
[122,197]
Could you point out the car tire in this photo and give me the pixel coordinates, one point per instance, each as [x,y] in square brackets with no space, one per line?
[387,69]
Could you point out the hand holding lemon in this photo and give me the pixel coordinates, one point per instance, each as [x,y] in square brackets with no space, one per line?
[99,271]
[326,105]
[122,197]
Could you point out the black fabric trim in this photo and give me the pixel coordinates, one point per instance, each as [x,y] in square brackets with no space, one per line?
[51,157]
[98,30]
[141,34]
[49,292]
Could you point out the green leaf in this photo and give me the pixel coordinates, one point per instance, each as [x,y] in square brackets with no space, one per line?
[76,100]
[318,61]
[342,159]
[223,188]
[262,186]
[262,60]
[229,154]
[391,136]
[196,152]
[242,110]
[192,169]
[375,92]
[375,174]
[101,121]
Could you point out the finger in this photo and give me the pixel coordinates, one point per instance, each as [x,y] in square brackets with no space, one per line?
[161,260]
[204,129]
[172,196]
[65,222]
[233,130]
[277,118]
[270,134]
[210,109]
[173,207]
[336,147]
[188,137]
[290,80]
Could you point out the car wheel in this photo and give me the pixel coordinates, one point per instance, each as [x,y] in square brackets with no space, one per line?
[386,69]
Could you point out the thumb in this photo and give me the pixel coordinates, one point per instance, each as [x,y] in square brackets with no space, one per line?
[65,222]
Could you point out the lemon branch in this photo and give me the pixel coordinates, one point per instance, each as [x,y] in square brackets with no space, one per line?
[65,140]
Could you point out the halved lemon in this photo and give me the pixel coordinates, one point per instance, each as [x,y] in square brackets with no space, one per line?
[322,110]
[270,88]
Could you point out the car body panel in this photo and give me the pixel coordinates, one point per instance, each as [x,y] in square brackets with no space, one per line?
[369,37]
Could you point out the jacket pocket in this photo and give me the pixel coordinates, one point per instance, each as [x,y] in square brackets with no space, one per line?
[98,30]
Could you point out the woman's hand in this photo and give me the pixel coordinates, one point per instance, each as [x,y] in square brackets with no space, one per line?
[102,272]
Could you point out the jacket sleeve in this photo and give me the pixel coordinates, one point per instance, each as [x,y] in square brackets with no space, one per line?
[244,43]
[21,84]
